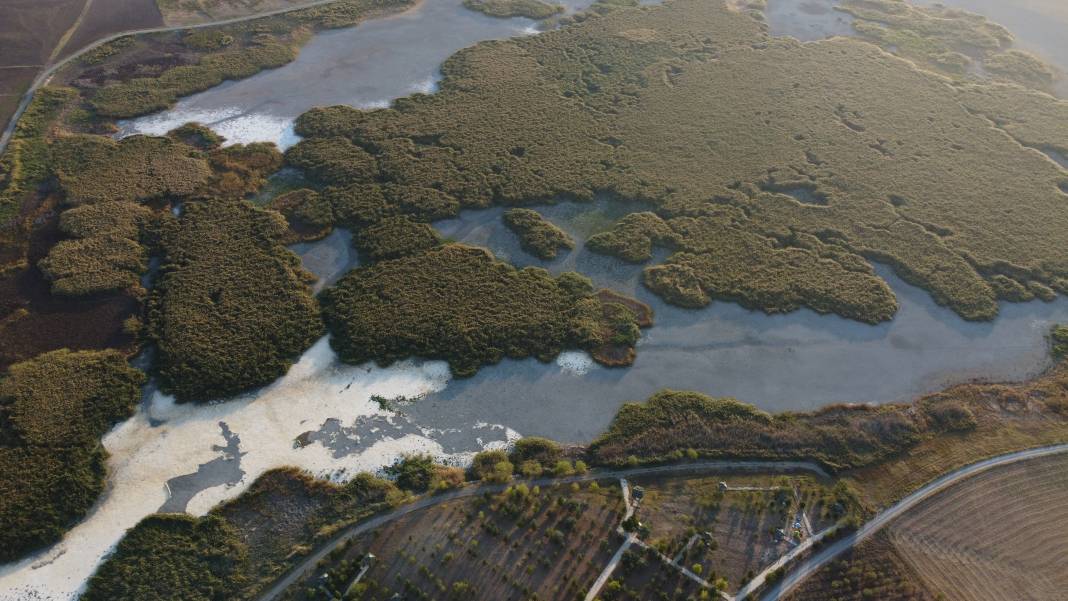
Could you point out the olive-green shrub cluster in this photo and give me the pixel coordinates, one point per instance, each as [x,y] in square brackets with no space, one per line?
[531,9]
[715,257]
[839,436]
[537,235]
[395,237]
[104,251]
[361,205]
[235,550]
[232,52]
[232,308]
[173,556]
[197,135]
[242,169]
[53,411]
[25,163]
[95,168]
[948,40]
[459,304]
[309,215]
[781,169]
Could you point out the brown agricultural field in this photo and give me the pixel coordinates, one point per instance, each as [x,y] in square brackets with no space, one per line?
[35,33]
[521,544]
[873,570]
[188,12]
[1000,535]
[29,32]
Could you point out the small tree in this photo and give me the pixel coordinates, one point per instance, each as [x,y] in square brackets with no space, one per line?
[413,472]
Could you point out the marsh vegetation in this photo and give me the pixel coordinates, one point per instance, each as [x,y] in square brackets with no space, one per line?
[232,308]
[531,9]
[53,411]
[659,108]
[459,304]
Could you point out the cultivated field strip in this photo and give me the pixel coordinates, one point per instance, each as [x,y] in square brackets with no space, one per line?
[998,536]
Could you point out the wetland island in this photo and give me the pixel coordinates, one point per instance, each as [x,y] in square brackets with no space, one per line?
[524,300]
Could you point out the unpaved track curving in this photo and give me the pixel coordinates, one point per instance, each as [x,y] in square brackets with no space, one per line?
[810,566]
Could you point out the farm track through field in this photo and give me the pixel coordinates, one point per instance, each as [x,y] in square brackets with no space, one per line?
[46,75]
[300,571]
[812,564]
[1001,535]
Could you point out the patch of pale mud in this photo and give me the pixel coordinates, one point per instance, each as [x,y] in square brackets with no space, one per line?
[577,363]
[234,124]
[165,440]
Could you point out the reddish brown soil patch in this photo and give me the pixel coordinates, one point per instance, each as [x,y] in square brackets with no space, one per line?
[32,321]
[874,570]
[29,30]
[107,17]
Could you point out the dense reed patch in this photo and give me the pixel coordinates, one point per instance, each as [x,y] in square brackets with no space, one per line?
[104,252]
[232,308]
[537,235]
[778,170]
[53,410]
[459,304]
[139,168]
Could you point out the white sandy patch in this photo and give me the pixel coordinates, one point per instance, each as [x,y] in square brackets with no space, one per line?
[578,363]
[233,124]
[144,458]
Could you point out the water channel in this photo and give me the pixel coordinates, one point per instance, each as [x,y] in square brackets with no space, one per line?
[188,458]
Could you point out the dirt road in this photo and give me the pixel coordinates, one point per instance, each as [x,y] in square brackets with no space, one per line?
[46,75]
[300,571]
[809,566]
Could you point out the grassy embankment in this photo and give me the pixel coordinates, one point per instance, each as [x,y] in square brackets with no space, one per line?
[776,207]
[884,451]
[53,411]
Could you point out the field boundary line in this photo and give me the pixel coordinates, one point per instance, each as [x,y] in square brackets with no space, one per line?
[811,565]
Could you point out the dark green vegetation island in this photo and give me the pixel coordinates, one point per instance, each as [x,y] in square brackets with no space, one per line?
[460,304]
[773,173]
[53,411]
[537,235]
